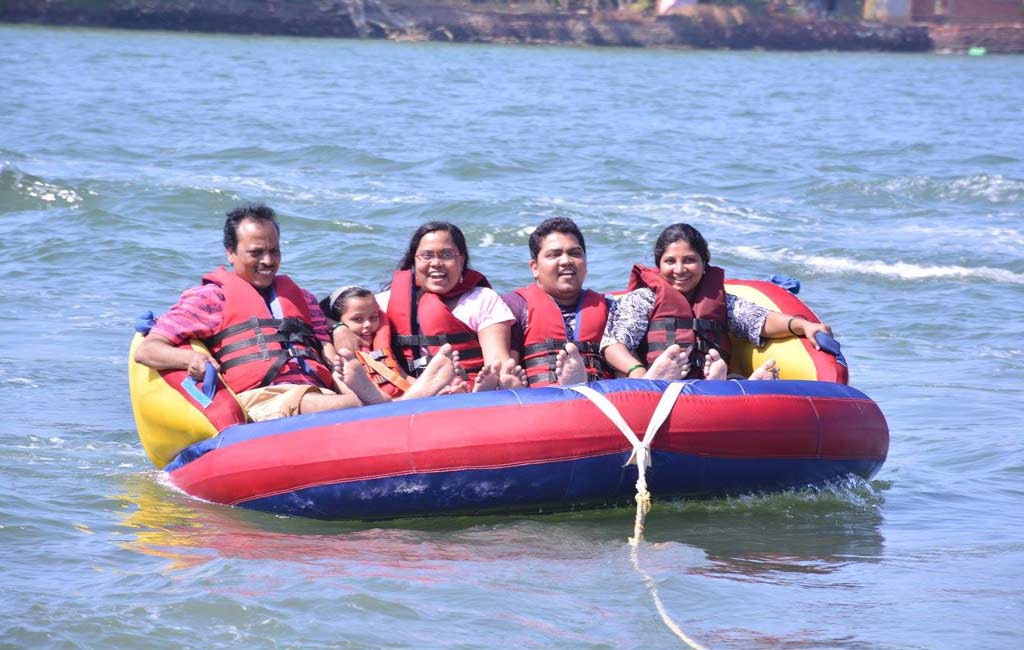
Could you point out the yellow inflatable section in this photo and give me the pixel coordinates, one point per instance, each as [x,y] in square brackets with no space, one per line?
[166,421]
[790,354]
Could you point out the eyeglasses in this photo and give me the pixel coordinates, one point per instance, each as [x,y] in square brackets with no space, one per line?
[445,255]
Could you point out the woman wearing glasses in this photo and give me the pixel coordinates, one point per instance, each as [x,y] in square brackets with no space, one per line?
[435,298]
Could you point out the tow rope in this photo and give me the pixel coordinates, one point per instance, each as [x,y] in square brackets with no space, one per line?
[641,457]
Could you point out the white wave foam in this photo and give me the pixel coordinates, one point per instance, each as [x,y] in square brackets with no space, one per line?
[659,210]
[29,186]
[993,188]
[299,192]
[20,381]
[993,235]
[901,270]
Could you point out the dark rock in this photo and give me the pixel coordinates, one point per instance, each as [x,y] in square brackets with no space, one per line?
[409,20]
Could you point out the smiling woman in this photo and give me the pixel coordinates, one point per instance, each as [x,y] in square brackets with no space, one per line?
[682,302]
[435,298]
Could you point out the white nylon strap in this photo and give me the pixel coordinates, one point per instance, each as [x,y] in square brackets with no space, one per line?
[642,457]
[641,450]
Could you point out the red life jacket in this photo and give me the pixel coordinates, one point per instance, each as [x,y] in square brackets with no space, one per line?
[380,363]
[545,334]
[705,323]
[420,319]
[252,345]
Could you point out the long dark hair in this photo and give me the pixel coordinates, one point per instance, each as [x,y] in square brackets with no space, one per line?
[408,260]
[681,232]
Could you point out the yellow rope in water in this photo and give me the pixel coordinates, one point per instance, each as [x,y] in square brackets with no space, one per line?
[643,506]
[641,455]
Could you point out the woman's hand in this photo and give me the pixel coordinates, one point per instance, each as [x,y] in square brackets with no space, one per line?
[780,326]
[625,364]
[809,330]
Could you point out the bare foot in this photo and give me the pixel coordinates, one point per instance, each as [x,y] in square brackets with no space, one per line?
[457,364]
[511,375]
[349,371]
[714,365]
[457,386]
[438,374]
[569,366]
[767,370]
[670,365]
[487,378]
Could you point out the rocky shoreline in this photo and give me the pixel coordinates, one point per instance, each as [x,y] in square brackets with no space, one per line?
[457,22]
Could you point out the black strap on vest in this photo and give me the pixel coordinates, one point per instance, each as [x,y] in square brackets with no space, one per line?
[296,338]
[251,324]
[589,351]
[552,346]
[416,342]
[419,363]
[422,341]
[708,333]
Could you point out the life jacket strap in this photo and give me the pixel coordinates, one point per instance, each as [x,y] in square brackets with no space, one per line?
[707,333]
[417,365]
[548,377]
[423,341]
[554,345]
[382,373]
[542,354]
[254,323]
[293,329]
[296,337]
[534,362]
[280,357]
[696,324]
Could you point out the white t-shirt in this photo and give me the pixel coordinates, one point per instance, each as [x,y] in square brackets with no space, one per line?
[478,308]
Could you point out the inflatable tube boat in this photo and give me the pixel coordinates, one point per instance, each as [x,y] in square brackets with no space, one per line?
[526,450]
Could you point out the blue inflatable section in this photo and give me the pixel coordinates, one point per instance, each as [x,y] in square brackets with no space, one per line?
[561,485]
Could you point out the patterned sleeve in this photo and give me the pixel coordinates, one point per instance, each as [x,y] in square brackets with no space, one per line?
[316,316]
[196,315]
[746,319]
[627,321]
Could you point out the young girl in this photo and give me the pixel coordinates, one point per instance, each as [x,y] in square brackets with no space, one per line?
[355,309]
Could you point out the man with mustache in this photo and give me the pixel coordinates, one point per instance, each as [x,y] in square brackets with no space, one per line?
[266,335]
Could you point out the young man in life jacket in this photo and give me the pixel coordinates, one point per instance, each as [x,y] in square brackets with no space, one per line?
[559,324]
[267,337]
[558,327]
